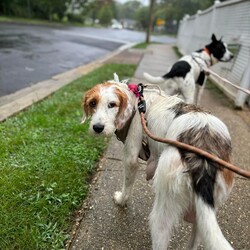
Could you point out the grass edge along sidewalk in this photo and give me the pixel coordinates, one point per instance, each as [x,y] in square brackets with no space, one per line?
[47,158]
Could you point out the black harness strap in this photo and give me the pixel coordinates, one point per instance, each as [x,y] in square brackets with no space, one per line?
[121,134]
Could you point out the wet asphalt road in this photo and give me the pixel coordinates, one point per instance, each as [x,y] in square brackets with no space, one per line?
[31,53]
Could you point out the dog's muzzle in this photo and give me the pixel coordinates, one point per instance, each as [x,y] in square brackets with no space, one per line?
[231,56]
[98,128]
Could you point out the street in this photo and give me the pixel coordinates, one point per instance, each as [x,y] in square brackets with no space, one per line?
[32,53]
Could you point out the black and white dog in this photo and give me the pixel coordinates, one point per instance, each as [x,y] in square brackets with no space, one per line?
[186,76]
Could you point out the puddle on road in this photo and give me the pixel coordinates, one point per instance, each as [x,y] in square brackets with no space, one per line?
[19,41]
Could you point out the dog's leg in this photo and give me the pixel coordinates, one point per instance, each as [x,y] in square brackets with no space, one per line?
[162,220]
[130,170]
[188,90]
[151,167]
[171,197]
[200,85]
[130,160]
[170,87]
[208,228]
[198,93]
[195,239]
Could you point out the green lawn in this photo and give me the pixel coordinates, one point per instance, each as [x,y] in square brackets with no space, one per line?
[28,21]
[177,51]
[10,19]
[143,45]
[46,159]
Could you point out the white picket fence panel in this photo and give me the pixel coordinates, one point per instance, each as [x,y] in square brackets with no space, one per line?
[230,20]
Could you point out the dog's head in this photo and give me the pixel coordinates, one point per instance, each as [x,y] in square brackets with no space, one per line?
[219,50]
[109,107]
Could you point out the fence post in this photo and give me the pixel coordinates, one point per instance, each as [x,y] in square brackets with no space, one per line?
[181,34]
[245,83]
[213,16]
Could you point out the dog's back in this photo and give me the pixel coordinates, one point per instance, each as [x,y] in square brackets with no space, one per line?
[179,69]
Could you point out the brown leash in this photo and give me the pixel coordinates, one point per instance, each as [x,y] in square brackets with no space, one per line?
[195,150]
[227,165]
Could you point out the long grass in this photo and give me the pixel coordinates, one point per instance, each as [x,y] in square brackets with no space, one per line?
[46,159]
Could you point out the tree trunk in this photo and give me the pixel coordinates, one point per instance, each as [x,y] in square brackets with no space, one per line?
[150,23]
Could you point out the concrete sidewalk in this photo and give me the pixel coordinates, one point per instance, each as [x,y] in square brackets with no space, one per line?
[103,225]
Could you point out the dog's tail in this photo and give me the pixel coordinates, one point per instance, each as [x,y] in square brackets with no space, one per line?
[153,79]
[204,175]
[207,226]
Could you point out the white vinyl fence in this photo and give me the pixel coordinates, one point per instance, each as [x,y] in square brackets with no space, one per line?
[230,20]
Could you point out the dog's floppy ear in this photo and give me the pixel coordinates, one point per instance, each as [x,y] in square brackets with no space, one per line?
[214,39]
[84,118]
[121,117]
[85,110]
[90,101]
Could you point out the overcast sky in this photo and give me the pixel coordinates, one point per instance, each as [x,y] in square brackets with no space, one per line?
[145,2]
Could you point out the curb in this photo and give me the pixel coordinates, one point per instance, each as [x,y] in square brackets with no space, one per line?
[20,100]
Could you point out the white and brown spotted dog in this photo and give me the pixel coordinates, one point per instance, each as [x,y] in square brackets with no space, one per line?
[186,185]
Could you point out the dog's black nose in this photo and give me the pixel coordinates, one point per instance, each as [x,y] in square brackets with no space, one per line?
[98,128]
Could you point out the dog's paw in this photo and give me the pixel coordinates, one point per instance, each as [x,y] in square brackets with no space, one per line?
[119,199]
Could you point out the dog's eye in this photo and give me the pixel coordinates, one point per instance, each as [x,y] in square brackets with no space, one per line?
[92,104]
[111,105]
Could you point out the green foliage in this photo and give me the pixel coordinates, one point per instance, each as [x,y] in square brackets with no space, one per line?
[38,8]
[143,45]
[128,9]
[105,15]
[73,18]
[173,11]
[43,9]
[177,51]
[105,10]
[142,17]
[46,159]
[176,9]
[14,7]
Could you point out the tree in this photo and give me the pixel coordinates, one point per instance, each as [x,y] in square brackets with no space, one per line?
[128,9]
[176,9]
[43,9]
[172,11]
[105,15]
[150,23]
[14,8]
[141,17]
